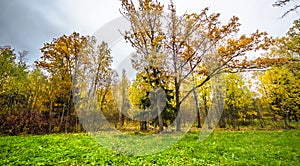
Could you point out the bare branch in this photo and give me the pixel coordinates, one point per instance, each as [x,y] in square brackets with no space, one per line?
[282,3]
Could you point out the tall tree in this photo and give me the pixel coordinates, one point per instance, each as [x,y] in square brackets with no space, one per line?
[144,36]
[59,59]
[92,84]
[123,97]
[181,48]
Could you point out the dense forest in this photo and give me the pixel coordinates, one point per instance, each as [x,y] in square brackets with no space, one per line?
[191,71]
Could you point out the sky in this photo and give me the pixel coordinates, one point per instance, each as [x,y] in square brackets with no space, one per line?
[27,24]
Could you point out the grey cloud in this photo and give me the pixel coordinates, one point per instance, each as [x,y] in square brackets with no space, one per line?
[26,25]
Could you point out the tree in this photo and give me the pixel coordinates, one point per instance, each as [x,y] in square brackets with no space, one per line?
[124,97]
[195,96]
[280,84]
[147,41]
[282,92]
[148,103]
[139,98]
[288,47]
[238,102]
[20,98]
[7,67]
[182,48]
[13,81]
[205,98]
[59,60]
[38,91]
[93,81]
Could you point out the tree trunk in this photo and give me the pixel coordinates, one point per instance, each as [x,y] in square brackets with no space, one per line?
[122,119]
[50,115]
[286,120]
[159,112]
[160,122]
[260,116]
[296,118]
[208,118]
[62,117]
[198,109]
[32,101]
[121,115]
[143,125]
[222,121]
[76,124]
[178,121]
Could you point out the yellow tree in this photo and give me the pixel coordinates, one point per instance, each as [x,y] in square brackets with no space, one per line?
[281,89]
[38,91]
[205,100]
[280,84]
[181,44]
[139,98]
[58,59]
[238,102]
[146,37]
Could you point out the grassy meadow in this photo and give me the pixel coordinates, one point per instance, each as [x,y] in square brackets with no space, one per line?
[222,147]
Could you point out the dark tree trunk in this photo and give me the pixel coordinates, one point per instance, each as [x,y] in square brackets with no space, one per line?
[178,121]
[222,121]
[160,122]
[122,119]
[62,118]
[296,118]
[143,125]
[50,115]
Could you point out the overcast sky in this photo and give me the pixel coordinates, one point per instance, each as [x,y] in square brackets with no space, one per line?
[27,24]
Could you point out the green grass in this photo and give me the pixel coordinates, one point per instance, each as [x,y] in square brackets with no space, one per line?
[281,147]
